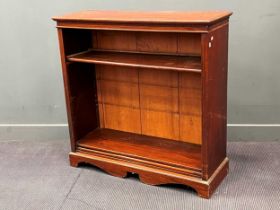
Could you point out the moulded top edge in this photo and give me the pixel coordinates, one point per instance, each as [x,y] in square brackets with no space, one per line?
[177,17]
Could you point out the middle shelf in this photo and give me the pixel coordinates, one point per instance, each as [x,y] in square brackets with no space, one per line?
[141,60]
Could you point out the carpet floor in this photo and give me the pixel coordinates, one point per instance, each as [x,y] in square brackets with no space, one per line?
[36,175]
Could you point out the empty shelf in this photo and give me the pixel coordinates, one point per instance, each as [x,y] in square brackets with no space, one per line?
[150,149]
[141,60]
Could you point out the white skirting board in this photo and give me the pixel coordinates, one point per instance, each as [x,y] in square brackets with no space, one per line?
[33,132]
[236,132]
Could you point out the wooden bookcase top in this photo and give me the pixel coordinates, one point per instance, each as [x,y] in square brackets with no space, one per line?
[201,17]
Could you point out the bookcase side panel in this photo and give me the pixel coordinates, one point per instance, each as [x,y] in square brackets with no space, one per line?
[79,86]
[83,98]
[66,88]
[214,99]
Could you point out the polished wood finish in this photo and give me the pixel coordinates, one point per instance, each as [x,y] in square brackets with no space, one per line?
[140,60]
[168,43]
[146,93]
[145,16]
[135,100]
[197,22]
[136,146]
[152,175]
[214,99]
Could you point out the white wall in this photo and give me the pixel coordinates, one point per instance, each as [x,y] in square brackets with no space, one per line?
[31,89]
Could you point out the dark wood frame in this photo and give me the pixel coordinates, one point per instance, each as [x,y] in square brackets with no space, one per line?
[81,96]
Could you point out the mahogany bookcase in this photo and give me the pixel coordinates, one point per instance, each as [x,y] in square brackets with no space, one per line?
[146,93]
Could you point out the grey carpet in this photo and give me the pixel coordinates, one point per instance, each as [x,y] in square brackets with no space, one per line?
[36,175]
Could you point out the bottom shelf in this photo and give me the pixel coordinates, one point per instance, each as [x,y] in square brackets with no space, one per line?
[176,156]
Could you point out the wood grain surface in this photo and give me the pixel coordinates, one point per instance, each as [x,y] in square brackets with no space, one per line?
[145,16]
[146,92]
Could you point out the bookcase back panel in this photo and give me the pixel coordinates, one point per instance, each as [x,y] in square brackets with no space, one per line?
[119,93]
[160,124]
[118,40]
[142,101]
[158,77]
[117,73]
[173,43]
[122,118]
[159,98]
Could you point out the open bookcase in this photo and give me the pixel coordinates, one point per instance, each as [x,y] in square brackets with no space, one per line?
[146,94]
